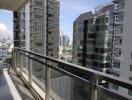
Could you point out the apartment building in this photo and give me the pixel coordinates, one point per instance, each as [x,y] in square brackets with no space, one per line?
[36,28]
[122,46]
[52,36]
[39,27]
[92,38]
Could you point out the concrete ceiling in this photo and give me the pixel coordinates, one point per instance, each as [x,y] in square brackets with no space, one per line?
[13,5]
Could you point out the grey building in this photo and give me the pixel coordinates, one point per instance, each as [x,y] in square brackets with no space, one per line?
[39,27]
[64,40]
[52,31]
[92,38]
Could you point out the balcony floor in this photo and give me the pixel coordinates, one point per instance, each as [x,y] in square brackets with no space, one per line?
[22,90]
[5,93]
[6,88]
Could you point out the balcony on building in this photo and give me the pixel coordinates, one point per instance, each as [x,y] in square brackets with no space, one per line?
[118,1]
[33,76]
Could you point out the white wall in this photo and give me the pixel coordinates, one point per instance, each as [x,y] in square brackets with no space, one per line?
[27,26]
[126,59]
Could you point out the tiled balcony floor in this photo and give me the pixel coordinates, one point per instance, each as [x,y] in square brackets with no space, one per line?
[5,89]
[5,93]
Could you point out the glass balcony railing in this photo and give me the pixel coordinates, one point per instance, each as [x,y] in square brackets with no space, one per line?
[54,79]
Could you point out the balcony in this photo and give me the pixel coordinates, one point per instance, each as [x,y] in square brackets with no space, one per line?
[116,12]
[52,79]
[33,76]
[118,1]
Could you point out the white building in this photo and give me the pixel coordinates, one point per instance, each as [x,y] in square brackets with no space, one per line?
[122,44]
[5,50]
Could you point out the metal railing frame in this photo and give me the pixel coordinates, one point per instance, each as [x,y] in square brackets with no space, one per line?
[93,82]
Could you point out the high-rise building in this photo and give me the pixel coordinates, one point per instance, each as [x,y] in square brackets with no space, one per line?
[92,38]
[52,28]
[64,40]
[36,28]
[122,46]
[39,27]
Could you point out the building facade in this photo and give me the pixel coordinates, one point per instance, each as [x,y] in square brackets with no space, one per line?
[92,38]
[39,27]
[64,40]
[36,28]
[52,28]
[122,46]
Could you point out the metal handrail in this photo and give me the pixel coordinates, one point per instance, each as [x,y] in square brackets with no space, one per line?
[97,75]
[107,77]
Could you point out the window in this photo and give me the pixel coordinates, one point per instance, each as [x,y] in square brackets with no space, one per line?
[79,55]
[120,41]
[130,92]
[79,48]
[23,37]
[39,44]
[50,44]
[115,86]
[50,15]
[90,56]
[39,3]
[50,50]
[130,78]
[131,54]
[80,61]
[116,64]
[130,67]
[91,35]
[117,52]
[116,73]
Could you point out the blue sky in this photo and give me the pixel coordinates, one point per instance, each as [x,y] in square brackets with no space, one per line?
[6,23]
[69,11]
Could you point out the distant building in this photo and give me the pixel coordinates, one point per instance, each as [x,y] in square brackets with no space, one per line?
[5,50]
[64,40]
[92,38]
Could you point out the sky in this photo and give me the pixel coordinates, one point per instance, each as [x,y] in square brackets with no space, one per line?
[6,24]
[69,11]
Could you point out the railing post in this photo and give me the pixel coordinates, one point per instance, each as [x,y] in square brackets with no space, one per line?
[20,63]
[12,62]
[93,89]
[47,80]
[30,70]
[15,59]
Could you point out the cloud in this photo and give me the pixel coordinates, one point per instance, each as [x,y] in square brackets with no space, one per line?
[3,27]
[5,11]
[4,31]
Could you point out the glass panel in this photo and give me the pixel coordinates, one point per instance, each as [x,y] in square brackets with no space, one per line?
[17,61]
[64,87]
[112,93]
[103,95]
[25,64]
[38,73]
